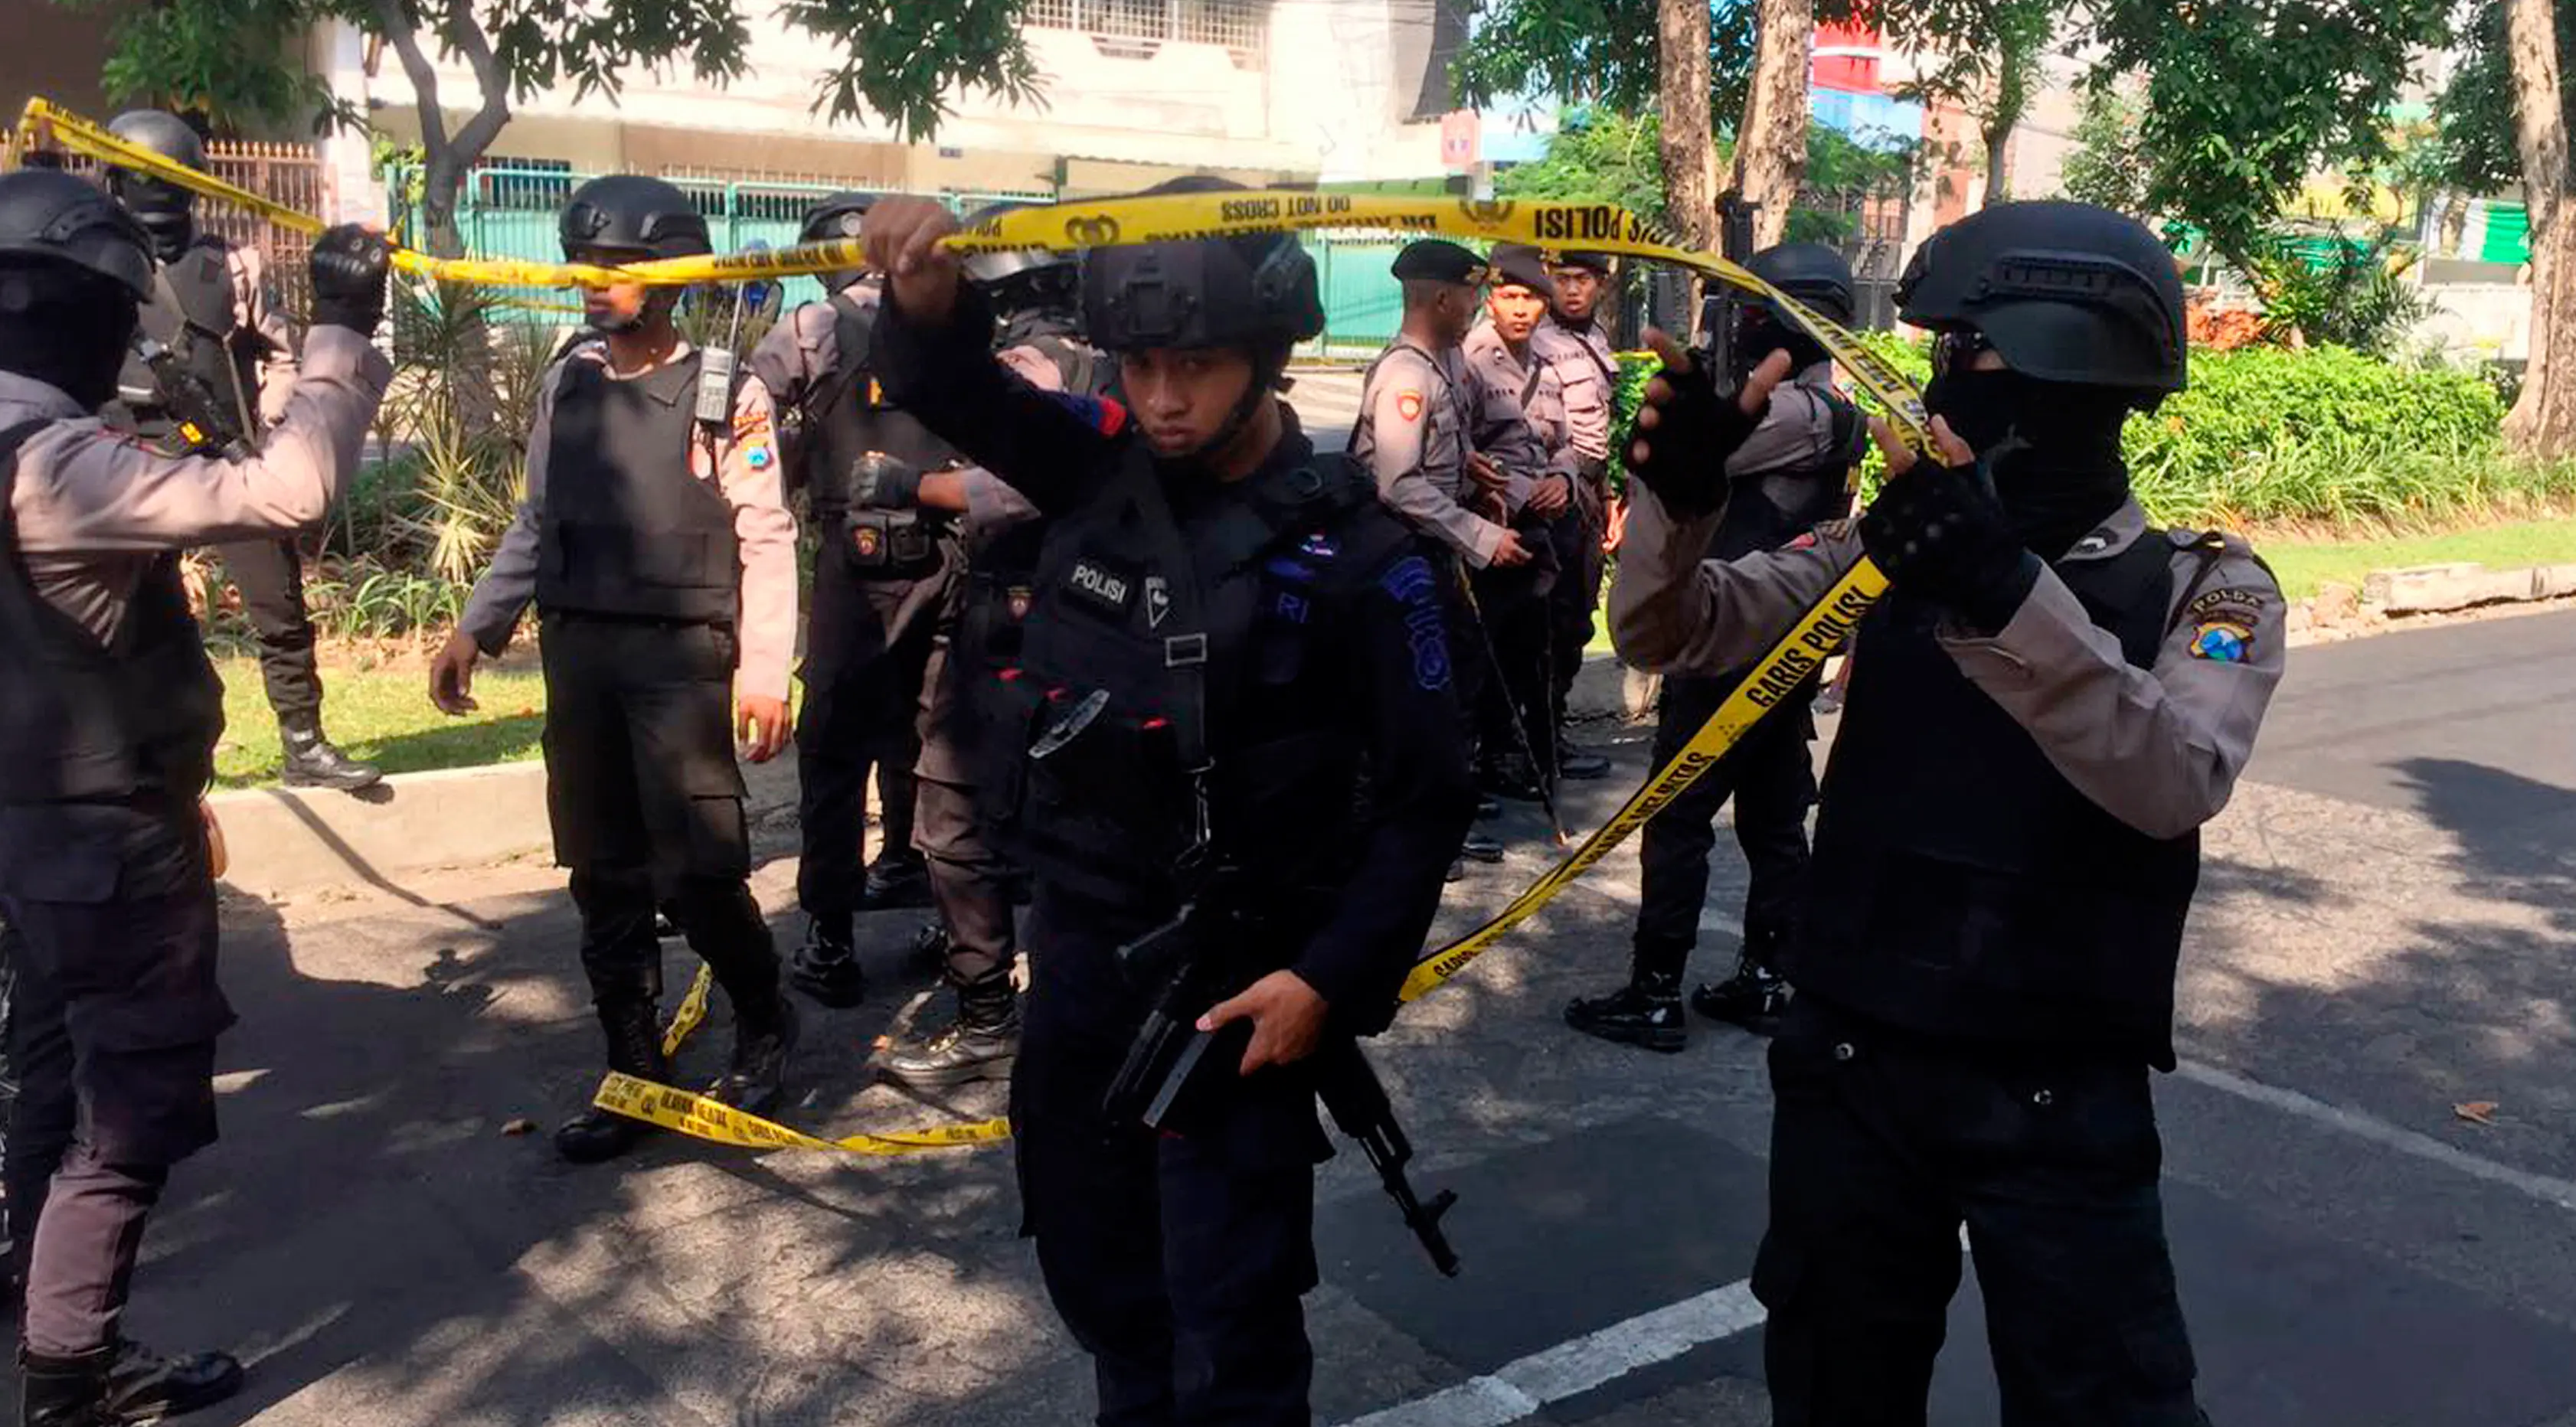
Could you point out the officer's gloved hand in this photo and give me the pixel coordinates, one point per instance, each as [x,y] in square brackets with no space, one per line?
[350,266]
[1938,531]
[885,482]
[1688,427]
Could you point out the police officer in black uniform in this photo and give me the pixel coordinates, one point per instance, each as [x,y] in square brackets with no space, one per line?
[656,545]
[213,326]
[881,578]
[2056,697]
[1792,473]
[109,714]
[1226,630]
[1037,295]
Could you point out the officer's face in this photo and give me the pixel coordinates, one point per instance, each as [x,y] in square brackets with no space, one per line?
[1578,290]
[1457,311]
[1516,311]
[1183,396]
[617,306]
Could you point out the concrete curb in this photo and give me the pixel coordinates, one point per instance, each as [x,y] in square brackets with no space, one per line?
[2341,611]
[285,840]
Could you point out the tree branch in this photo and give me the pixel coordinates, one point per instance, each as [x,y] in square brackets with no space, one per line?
[464,32]
[396,25]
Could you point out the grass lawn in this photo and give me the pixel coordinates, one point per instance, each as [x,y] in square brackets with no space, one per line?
[2305,565]
[379,710]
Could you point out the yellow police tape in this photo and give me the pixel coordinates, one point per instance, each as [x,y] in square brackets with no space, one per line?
[1598,227]
[693,1009]
[705,1119]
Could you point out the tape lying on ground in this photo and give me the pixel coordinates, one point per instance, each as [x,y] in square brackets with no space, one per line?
[1169,218]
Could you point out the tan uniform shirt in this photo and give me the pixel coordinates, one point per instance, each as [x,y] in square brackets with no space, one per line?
[742,467]
[2157,748]
[1536,388]
[1420,415]
[95,509]
[1588,373]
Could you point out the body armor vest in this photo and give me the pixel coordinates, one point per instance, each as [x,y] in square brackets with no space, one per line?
[1182,694]
[1967,890]
[1755,521]
[626,527]
[191,314]
[854,419]
[84,719]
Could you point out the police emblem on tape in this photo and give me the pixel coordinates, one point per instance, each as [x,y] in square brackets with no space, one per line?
[1103,587]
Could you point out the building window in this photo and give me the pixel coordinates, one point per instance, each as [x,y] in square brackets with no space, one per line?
[1136,29]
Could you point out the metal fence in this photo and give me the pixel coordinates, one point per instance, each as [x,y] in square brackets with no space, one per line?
[287,173]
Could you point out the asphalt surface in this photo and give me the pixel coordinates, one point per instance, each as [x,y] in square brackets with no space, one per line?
[2382,935]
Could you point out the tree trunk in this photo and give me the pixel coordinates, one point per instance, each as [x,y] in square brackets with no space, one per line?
[1998,141]
[2543,420]
[1771,143]
[1689,150]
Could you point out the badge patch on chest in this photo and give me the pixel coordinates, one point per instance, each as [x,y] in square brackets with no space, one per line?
[1158,601]
[1104,587]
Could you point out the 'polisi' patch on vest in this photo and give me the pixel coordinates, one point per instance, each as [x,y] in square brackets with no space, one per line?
[1414,587]
[1104,587]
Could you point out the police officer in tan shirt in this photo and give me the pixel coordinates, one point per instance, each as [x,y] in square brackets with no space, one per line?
[2057,696]
[657,547]
[109,713]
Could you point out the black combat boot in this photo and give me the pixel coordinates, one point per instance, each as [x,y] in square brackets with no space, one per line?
[1508,775]
[143,1386]
[313,761]
[1577,762]
[896,879]
[64,1392]
[634,1047]
[1754,997]
[1481,847]
[979,1045]
[763,1037]
[826,967]
[1645,1012]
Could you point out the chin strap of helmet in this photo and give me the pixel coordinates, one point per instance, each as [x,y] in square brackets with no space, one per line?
[1269,366]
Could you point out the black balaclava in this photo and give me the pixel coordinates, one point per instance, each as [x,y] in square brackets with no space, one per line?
[1758,334]
[166,211]
[2051,448]
[67,331]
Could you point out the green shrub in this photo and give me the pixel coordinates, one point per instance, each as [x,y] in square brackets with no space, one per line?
[2324,434]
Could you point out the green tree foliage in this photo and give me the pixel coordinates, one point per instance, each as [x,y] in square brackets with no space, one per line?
[2245,98]
[2105,166]
[1597,155]
[1600,52]
[2472,150]
[232,60]
[1984,56]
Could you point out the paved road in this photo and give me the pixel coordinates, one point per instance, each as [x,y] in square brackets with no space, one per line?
[2383,934]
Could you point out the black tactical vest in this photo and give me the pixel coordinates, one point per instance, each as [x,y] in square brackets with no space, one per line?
[81,719]
[626,527]
[1753,521]
[1219,642]
[1964,888]
[849,417]
[191,313]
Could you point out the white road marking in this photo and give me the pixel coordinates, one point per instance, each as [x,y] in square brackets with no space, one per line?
[1521,1388]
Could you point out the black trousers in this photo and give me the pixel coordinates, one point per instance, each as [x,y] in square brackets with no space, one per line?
[270,576]
[1773,782]
[1881,1147]
[867,645]
[969,881]
[1512,657]
[112,934]
[1179,1262]
[1576,538]
[646,801]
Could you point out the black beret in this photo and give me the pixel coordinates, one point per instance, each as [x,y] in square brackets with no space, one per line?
[1590,262]
[1521,266]
[1439,260]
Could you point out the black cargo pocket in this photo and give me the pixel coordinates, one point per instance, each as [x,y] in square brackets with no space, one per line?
[681,561]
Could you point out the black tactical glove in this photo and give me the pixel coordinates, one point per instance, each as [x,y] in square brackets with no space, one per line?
[1939,532]
[350,266]
[1695,430]
[885,482]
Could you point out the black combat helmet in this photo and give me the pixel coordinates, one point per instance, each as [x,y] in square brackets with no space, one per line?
[1024,277]
[840,216]
[163,207]
[1813,273]
[2065,292]
[631,213]
[1256,291]
[56,229]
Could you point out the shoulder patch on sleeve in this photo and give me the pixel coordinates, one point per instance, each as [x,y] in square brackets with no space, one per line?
[1098,412]
[1408,404]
